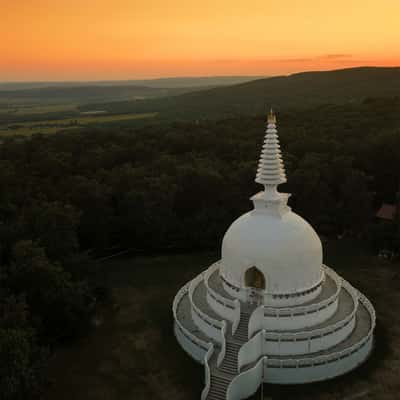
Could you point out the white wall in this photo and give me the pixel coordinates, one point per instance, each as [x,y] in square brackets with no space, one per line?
[287,323]
[247,383]
[317,372]
[251,351]
[222,310]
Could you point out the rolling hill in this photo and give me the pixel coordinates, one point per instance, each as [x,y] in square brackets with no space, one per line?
[300,90]
[158,83]
[86,93]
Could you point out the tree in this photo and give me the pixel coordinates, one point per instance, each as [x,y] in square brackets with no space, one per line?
[21,365]
[60,308]
[54,225]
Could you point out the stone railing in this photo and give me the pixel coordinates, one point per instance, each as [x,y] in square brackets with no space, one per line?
[206,318]
[229,303]
[189,335]
[311,308]
[319,332]
[232,305]
[332,357]
[221,354]
[250,351]
[246,383]
[207,372]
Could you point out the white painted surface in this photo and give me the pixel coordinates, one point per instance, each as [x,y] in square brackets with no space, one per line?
[210,326]
[286,249]
[251,351]
[286,323]
[317,372]
[247,383]
[221,354]
[207,372]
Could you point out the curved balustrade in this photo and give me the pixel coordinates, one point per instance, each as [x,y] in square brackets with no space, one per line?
[230,308]
[249,352]
[332,357]
[209,320]
[229,303]
[319,332]
[189,335]
[311,308]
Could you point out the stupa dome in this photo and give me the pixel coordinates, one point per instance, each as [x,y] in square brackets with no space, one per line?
[284,248]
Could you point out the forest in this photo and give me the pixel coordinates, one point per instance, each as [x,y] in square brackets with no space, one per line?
[69,198]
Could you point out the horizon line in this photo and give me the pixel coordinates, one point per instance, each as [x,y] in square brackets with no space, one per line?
[196,76]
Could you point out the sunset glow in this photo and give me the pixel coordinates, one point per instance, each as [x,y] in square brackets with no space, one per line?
[131,39]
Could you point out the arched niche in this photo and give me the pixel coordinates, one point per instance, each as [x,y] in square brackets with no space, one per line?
[254,278]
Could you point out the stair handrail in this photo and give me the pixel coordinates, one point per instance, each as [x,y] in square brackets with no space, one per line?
[238,390]
[252,350]
[207,372]
[221,354]
[236,321]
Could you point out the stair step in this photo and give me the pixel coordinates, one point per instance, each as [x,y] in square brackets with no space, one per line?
[229,363]
[217,379]
[217,390]
[231,371]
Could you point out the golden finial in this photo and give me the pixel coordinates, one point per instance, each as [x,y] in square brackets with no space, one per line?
[271,117]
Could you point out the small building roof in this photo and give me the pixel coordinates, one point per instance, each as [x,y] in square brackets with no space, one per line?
[387,211]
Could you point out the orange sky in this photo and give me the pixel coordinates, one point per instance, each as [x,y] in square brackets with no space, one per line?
[128,39]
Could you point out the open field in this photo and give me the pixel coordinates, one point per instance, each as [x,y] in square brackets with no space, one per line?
[28,109]
[133,355]
[52,126]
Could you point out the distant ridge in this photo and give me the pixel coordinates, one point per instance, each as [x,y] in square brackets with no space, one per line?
[293,91]
[159,83]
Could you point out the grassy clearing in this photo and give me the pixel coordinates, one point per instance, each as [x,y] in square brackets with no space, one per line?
[18,109]
[53,126]
[133,355]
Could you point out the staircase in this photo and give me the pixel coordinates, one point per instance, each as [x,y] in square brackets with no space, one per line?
[242,330]
[219,385]
[229,364]
[222,376]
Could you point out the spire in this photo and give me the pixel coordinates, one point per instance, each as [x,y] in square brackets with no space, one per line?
[271,117]
[271,171]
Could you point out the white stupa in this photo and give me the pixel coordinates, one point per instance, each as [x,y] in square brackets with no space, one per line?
[270,310]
